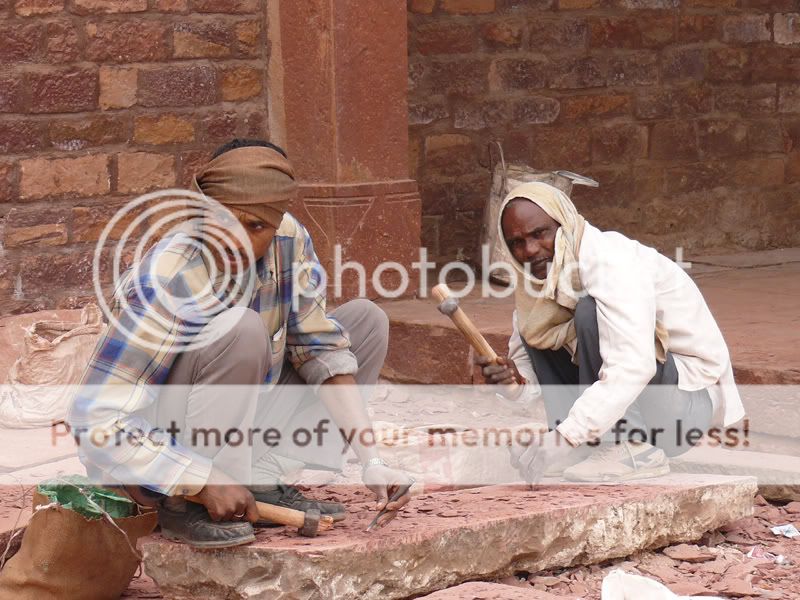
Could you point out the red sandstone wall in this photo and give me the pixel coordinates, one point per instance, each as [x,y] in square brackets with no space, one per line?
[686,111]
[100,101]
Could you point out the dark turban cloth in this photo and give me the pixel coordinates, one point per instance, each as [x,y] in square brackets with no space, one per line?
[255,179]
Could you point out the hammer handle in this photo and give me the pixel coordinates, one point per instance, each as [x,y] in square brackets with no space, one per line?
[441,293]
[281,514]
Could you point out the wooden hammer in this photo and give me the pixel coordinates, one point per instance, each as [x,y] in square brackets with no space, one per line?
[448,305]
[308,523]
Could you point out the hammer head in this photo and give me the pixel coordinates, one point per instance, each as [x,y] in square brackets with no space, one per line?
[310,526]
[449,306]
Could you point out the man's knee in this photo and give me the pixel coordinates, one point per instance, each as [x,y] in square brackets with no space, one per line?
[239,326]
[375,319]
[365,319]
[235,342]
[586,314]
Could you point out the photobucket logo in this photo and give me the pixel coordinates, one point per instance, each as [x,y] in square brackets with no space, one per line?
[466,274]
[490,278]
[157,305]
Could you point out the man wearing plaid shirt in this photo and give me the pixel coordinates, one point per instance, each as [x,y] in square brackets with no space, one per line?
[213,364]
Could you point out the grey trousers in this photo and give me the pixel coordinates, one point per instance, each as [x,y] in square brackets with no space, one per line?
[662,413]
[218,387]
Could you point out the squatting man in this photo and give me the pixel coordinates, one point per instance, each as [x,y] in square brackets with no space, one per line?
[271,359]
[627,356]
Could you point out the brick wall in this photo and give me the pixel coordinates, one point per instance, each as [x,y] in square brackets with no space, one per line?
[100,101]
[686,111]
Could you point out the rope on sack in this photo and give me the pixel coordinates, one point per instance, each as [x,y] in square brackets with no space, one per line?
[16,530]
[42,507]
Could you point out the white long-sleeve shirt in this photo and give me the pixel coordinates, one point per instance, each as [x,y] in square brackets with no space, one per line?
[633,285]
[517,353]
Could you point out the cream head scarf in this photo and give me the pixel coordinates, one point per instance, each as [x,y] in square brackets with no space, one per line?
[255,179]
[545,308]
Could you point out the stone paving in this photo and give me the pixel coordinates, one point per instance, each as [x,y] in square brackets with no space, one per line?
[778,475]
[753,297]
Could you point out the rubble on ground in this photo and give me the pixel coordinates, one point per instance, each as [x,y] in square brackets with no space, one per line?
[769,572]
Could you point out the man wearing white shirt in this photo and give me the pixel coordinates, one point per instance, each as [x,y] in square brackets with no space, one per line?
[620,339]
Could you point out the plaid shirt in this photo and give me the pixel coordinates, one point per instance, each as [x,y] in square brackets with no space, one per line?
[135,355]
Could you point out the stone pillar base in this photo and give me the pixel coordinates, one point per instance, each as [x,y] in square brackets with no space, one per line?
[373,223]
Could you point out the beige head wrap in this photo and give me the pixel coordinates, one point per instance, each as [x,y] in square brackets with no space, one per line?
[545,308]
[255,179]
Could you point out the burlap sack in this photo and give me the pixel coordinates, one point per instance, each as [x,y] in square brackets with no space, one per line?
[67,556]
[504,179]
[38,392]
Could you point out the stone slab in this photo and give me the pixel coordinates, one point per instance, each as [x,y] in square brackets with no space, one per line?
[23,448]
[449,538]
[773,444]
[772,409]
[778,474]
[748,260]
[141,587]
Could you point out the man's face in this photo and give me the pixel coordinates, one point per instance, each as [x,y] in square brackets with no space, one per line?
[240,228]
[530,234]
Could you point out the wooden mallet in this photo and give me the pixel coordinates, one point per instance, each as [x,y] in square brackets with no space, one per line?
[448,306]
[308,523]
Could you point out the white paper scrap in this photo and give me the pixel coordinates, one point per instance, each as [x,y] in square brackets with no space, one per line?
[789,531]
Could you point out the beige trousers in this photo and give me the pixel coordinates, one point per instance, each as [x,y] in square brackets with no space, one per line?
[215,392]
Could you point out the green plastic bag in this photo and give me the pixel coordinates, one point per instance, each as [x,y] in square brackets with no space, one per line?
[77,493]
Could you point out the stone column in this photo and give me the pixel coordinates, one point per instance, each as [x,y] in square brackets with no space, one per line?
[338,87]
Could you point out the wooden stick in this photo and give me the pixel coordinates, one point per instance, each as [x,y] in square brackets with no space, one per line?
[282,515]
[441,293]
